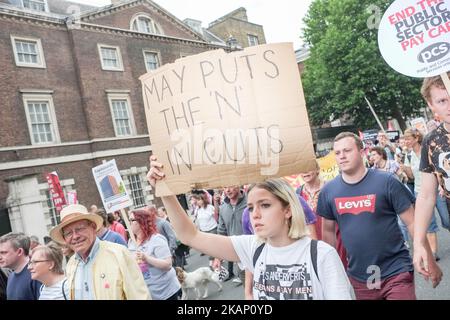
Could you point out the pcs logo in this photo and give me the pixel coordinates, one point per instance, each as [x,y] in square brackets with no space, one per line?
[434,52]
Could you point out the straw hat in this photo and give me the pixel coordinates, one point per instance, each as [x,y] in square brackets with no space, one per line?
[71,214]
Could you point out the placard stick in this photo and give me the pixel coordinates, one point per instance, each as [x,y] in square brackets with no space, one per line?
[127,222]
[374,114]
[446,81]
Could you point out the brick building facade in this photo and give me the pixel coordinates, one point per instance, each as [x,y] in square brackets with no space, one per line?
[71,98]
[235,29]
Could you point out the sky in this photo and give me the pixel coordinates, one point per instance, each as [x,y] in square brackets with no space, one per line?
[281,19]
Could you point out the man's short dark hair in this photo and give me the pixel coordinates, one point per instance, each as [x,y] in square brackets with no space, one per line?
[380,151]
[347,134]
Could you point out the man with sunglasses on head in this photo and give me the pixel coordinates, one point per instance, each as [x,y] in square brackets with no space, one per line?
[99,270]
[14,249]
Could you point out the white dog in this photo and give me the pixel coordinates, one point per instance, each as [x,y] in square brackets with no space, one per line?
[196,279]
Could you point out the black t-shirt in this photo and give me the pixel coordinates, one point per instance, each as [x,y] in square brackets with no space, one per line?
[366,213]
[435,157]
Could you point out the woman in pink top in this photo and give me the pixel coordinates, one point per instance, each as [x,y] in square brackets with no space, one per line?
[117,227]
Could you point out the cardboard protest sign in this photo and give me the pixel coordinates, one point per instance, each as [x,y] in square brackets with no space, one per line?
[56,191]
[328,167]
[419,124]
[218,119]
[328,171]
[414,37]
[111,187]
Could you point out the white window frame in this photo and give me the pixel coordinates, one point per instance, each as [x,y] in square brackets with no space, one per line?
[122,96]
[141,195]
[54,124]
[158,57]
[119,57]
[40,52]
[40,1]
[252,36]
[146,187]
[156,27]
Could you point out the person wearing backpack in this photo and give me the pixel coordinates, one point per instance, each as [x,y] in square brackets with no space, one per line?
[283,269]
[310,219]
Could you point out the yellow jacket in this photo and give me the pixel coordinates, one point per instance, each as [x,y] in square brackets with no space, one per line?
[116,275]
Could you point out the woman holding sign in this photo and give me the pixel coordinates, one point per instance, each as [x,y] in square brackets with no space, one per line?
[279,250]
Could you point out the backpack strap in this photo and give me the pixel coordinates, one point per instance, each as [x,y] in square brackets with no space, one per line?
[313,249]
[62,288]
[258,253]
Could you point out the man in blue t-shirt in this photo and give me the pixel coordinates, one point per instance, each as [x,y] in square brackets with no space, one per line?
[14,249]
[104,233]
[365,204]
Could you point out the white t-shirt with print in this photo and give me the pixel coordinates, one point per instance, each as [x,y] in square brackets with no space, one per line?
[286,273]
[205,218]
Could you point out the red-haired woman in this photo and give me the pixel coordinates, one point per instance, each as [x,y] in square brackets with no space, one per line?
[153,255]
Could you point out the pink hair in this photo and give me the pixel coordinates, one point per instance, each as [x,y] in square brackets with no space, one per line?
[146,217]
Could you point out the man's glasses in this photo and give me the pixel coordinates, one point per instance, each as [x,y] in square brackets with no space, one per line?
[69,234]
[131,220]
[33,262]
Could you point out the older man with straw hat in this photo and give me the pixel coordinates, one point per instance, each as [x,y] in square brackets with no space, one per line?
[99,270]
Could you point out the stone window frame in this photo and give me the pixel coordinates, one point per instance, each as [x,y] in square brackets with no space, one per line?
[40,52]
[122,96]
[44,2]
[120,67]
[146,187]
[45,97]
[155,26]
[251,40]
[158,57]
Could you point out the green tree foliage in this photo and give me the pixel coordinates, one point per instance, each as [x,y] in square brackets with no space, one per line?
[345,65]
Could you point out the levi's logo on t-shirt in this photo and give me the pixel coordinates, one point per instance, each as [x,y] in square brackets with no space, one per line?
[356,205]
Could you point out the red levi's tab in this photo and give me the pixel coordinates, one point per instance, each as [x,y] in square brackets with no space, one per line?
[356,205]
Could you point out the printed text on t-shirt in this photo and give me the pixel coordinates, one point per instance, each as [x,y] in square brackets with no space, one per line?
[356,205]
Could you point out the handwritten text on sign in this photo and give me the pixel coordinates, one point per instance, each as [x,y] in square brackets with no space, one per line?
[218,119]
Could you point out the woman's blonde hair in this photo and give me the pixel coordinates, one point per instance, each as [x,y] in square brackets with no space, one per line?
[415,133]
[282,190]
[52,252]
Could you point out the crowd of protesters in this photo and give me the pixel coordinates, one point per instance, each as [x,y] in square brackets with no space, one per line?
[324,240]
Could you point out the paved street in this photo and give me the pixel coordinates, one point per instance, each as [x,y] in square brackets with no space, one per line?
[230,291]
[424,291]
